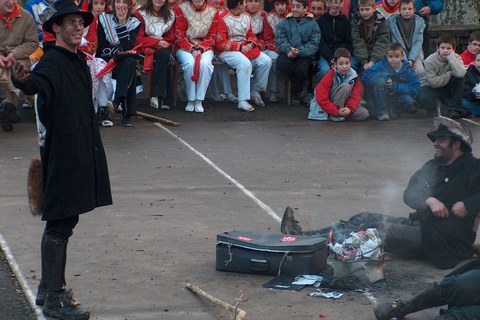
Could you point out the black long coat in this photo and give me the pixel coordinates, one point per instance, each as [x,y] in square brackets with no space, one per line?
[447,240]
[74,164]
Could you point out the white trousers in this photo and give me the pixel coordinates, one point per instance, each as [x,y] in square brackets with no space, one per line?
[221,76]
[243,67]
[196,90]
[273,76]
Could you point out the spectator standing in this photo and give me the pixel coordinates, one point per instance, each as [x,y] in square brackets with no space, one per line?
[425,9]
[407,29]
[471,93]
[468,56]
[157,36]
[74,165]
[392,84]
[443,80]
[196,24]
[237,46]
[270,23]
[370,35]
[297,39]
[338,94]
[336,33]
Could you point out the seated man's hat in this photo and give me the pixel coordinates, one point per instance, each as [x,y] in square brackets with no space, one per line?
[446,127]
[61,8]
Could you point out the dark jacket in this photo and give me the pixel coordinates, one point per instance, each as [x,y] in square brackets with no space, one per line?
[303,35]
[336,33]
[74,164]
[471,79]
[404,82]
[446,240]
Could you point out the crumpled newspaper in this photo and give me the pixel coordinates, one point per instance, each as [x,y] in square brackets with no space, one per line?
[360,245]
[308,280]
[326,294]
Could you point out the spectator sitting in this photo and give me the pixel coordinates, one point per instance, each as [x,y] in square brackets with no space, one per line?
[444,72]
[471,93]
[317,8]
[335,33]
[257,15]
[18,40]
[117,33]
[468,56]
[37,9]
[407,29]
[237,46]
[157,36]
[338,94]
[370,35]
[270,24]
[392,83]
[387,7]
[297,39]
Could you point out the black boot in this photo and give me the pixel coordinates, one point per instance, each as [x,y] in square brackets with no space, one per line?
[426,299]
[42,286]
[289,225]
[57,304]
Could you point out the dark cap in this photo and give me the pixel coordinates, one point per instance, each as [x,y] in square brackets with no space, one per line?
[61,8]
[446,127]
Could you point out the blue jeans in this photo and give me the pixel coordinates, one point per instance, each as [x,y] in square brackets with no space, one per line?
[381,98]
[473,107]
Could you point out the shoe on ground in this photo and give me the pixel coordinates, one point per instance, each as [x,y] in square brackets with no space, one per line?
[7,110]
[273,97]
[111,107]
[27,105]
[190,106]
[126,122]
[306,99]
[289,225]
[58,306]
[198,106]
[41,296]
[104,117]
[154,102]
[218,97]
[383,117]
[257,99]
[387,310]
[232,98]
[245,106]
[295,100]
[412,110]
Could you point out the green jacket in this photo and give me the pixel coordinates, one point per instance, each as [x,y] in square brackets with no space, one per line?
[370,47]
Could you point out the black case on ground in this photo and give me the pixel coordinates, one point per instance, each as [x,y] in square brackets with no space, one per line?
[270,254]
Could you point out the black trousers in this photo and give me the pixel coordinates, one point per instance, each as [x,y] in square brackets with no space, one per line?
[61,228]
[162,75]
[450,95]
[296,69]
[126,89]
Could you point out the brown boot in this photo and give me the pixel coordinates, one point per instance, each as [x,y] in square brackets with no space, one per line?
[289,224]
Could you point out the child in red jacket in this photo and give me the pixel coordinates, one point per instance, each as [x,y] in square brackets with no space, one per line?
[338,94]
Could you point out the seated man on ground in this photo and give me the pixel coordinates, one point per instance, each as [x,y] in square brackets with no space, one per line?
[445,194]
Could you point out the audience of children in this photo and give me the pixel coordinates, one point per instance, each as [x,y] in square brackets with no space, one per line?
[392,84]
[297,40]
[471,93]
[443,80]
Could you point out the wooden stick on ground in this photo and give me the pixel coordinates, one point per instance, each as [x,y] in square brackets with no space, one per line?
[239,313]
[157,119]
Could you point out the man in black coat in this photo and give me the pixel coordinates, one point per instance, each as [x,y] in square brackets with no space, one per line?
[445,193]
[75,172]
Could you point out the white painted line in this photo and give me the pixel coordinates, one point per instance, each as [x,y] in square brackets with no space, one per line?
[223,173]
[21,279]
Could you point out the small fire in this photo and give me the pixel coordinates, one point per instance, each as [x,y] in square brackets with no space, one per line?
[330,236]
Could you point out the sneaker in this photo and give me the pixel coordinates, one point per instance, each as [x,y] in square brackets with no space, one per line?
[289,225]
[257,99]
[57,306]
[295,100]
[165,107]
[8,112]
[245,106]
[231,97]
[154,102]
[190,106]
[273,97]
[383,117]
[218,97]
[126,122]
[198,106]
[110,107]
[27,105]
[104,117]
[107,123]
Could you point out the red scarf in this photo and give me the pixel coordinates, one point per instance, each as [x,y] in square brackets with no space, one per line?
[8,20]
[389,8]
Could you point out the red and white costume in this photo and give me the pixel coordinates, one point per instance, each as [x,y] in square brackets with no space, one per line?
[257,19]
[195,30]
[235,31]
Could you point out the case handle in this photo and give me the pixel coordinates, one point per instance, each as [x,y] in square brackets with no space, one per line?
[259,264]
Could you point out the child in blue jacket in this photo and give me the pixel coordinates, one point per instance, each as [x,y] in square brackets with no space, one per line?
[392,84]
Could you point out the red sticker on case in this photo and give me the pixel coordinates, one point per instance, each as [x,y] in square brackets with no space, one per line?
[244,238]
[288,239]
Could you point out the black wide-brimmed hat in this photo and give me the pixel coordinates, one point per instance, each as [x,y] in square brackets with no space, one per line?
[446,127]
[61,8]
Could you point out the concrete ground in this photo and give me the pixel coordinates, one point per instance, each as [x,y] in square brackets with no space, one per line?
[176,188]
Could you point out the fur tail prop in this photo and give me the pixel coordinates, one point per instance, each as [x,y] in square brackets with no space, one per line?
[35,187]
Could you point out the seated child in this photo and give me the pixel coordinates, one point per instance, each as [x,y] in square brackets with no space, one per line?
[317,8]
[370,35]
[270,24]
[443,80]
[471,93]
[338,94]
[407,29]
[473,48]
[297,40]
[392,83]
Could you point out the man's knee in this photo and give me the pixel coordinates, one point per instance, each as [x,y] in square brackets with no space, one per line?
[62,228]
